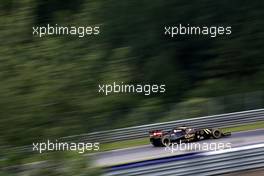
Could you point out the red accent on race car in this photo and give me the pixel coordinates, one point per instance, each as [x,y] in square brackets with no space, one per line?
[157,133]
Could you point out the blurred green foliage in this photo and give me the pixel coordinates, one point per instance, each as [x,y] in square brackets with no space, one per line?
[60,163]
[49,85]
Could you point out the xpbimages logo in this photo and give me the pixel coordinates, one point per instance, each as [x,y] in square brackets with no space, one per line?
[212,31]
[174,147]
[80,31]
[64,146]
[146,89]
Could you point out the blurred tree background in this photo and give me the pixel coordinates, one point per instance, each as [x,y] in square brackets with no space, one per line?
[49,85]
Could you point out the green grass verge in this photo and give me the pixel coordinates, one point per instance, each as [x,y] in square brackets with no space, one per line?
[145,141]
[124,144]
[251,126]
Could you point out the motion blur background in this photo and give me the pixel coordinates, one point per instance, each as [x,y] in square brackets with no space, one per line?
[49,85]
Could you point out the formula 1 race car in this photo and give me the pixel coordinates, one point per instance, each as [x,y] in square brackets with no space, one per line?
[159,138]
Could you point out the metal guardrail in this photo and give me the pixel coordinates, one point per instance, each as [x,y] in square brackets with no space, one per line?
[202,164]
[223,120]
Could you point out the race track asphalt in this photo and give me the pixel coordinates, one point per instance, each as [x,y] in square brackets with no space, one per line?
[147,152]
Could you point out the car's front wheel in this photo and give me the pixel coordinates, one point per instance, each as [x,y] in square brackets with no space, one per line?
[216,133]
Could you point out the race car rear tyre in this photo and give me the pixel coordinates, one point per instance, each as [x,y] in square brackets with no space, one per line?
[157,143]
[197,137]
[216,133]
[201,132]
[166,141]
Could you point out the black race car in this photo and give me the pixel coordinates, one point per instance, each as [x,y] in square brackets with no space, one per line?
[159,138]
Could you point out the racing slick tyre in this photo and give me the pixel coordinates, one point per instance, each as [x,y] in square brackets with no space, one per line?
[156,143]
[166,141]
[197,137]
[216,133]
[201,132]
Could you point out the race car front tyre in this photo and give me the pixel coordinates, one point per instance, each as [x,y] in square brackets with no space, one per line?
[216,133]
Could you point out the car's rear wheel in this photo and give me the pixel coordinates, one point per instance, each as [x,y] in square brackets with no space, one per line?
[156,143]
[198,137]
[166,141]
[216,133]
